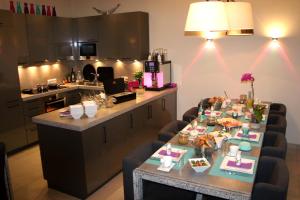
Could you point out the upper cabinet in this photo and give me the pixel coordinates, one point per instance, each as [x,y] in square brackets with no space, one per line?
[87,29]
[20,39]
[40,38]
[124,36]
[63,37]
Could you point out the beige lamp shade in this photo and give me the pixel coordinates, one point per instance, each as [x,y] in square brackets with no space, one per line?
[240,19]
[208,16]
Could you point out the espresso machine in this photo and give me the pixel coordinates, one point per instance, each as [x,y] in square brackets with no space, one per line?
[157,76]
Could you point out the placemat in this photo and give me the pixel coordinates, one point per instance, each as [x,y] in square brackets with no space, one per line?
[185,158]
[253,143]
[216,171]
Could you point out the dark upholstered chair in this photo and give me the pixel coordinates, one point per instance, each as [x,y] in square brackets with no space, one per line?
[5,189]
[192,113]
[152,190]
[274,145]
[278,108]
[171,129]
[277,123]
[272,179]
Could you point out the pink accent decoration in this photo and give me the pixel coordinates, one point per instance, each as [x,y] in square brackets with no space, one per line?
[242,165]
[160,79]
[173,154]
[247,77]
[148,79]
[44,10]
[249,136]
[26,10]
[201,130]
[133,84]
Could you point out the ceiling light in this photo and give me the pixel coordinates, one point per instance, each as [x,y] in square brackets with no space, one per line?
[208,16]
[240,19]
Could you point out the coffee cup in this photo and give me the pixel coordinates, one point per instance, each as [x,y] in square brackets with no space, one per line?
[166,161]
[233,149]
[245,128]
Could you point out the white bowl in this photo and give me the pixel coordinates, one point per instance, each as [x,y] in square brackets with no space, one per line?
[76,115]
[91,114]
[199,169]
[76,111]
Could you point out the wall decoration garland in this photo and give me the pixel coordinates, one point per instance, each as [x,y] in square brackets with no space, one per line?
[32,9]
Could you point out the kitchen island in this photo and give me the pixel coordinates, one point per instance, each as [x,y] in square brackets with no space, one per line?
[78,156]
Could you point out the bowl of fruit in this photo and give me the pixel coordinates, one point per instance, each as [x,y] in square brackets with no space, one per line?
[199,164]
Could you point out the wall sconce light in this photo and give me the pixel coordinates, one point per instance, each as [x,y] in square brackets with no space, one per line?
[274,43]
[209,44]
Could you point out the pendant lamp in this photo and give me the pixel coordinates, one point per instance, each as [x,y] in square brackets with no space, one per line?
[205,17]
[240,19]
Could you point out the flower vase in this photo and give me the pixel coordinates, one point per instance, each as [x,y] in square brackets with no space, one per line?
[255,123]
[250,103]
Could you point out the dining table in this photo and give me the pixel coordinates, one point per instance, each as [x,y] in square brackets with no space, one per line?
[216,180]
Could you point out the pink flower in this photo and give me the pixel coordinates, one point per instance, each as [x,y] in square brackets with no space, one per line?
[247,77]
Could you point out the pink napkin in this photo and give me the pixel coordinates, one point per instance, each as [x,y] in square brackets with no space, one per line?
[173,154]
[242,165]
[253,136]
[198,129]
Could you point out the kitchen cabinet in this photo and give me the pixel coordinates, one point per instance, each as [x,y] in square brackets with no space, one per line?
[12,125]
[125,36]
[73,97]
[63,29]
[87,29]
[20,40]
[31,109]
[40,38]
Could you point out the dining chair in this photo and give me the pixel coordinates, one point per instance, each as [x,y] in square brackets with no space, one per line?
[278,108]
[277,123]
[274,144]
[152,191]
[192,113]
[171,129]
[5,187]
[272,179]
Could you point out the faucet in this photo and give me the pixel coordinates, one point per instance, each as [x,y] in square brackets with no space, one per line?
[95,81]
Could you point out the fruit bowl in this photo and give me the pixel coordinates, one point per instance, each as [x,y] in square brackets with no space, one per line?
[199,164]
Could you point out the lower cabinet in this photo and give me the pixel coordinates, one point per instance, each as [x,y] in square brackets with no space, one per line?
[78,163]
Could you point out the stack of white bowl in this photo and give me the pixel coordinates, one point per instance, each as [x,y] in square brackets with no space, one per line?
[90,108]
[76,111]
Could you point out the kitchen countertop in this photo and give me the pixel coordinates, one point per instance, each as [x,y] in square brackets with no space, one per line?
[69,87]
[103,114]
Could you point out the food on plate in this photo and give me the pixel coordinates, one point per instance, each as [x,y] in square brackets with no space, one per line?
[229,122]
[198,163]
[207,141]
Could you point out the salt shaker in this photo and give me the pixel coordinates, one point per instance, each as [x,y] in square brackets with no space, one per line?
[168,149]
[238,158]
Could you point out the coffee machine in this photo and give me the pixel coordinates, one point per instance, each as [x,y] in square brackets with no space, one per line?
[157,76]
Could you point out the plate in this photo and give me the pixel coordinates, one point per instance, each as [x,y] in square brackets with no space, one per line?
[246,166]
[175,153]
[208,113]
[239,114]
[229,122]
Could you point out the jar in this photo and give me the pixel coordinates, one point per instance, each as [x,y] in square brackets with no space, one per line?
[183,138]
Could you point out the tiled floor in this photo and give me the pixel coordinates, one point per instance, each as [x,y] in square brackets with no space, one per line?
[28,183]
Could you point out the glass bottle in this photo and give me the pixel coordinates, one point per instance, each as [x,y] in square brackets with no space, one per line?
[48,11]
[19,8]
[12,7]
[37,9]
[32,12]
[44,10]
[26,10]
[53,11]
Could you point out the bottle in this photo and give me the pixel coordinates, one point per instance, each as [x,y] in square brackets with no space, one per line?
[149,57]
[32,9]
[44,10]
[37,9]
[12,7]
[19,8]
[73,78]
[78,77]
[159,58]
[48,11]
[53,11]
[26,10]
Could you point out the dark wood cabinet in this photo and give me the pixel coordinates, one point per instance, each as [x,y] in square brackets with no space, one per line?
[87,29]
[73,97]
[12,123]
[78,162]
[20,39]
[63,37]
[31,109]
[40,38]
[124,36]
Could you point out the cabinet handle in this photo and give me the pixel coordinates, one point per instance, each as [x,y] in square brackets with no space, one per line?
[131,120]
[105,135]
[163,104]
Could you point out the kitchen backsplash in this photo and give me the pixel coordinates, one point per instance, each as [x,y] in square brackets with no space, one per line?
[31,76]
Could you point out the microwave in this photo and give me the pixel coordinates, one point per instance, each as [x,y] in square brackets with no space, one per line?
[87,50]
